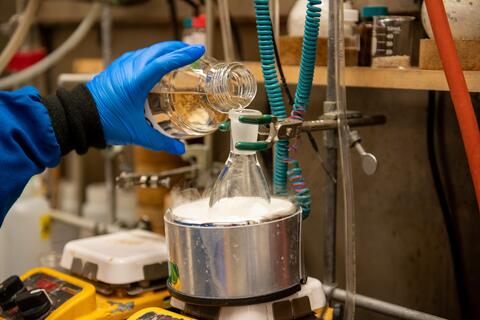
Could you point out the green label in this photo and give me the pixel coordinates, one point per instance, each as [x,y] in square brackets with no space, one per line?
[173,274]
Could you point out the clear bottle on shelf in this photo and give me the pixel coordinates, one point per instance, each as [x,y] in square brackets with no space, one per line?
[242,176]
[192,101]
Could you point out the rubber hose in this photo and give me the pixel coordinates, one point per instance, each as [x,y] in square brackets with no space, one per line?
[305,82]
[25,21]
[449,218]
[309,55]
[55,56]
[274,92]
[462,102]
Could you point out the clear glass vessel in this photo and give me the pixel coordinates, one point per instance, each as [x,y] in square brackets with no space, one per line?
[242,176]
[194,100]
[392,41]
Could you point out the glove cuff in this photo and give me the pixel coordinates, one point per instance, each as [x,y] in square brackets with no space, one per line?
[75,120]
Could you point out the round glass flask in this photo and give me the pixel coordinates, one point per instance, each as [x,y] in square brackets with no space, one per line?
[192,101]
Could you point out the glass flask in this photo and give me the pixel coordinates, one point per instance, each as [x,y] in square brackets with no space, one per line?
[242,176]
[192,101]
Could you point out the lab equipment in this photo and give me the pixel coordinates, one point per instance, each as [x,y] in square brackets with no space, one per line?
[366,30]
[194,100]
[120,258]
[242,175]
[240,249]
[392,41]
[260,247]
[259,235]
[121,90]
[110,277]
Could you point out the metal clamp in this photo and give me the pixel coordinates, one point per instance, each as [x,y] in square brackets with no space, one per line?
[290,129]
[152,180]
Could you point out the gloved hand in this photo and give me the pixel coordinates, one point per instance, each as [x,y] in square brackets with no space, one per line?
[120,92]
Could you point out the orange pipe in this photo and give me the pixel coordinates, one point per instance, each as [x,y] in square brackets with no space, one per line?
[462,102]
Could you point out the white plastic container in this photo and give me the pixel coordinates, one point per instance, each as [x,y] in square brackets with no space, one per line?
[25,236]
[296,19]
[96,207]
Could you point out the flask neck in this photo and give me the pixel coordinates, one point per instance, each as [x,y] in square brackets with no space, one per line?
[242,132]
[230,86]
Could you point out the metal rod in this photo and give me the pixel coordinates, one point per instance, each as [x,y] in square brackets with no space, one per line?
[322,124]
[106,29]
[160,179]
[226,28]
[275,12]
[382,307]
[210,13]
[331,158]
[109,161]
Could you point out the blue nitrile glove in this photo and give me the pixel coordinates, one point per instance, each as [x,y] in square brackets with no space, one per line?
[121,90]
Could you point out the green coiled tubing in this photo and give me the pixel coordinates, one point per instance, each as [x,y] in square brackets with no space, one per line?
[274,92]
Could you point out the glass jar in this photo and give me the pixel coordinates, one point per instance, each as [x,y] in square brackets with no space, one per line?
[192,101]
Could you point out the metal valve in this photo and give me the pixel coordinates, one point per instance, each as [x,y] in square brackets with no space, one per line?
[369,162]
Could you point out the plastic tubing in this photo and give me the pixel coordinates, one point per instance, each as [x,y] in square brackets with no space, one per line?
[46,63]
[302,94]
[274,92]
[462,102]
[309,54]
[345,161]
[25,21]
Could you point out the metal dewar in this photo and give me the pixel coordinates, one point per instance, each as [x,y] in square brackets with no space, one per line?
[234,264]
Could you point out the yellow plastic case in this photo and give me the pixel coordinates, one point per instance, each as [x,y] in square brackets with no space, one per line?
[79,300]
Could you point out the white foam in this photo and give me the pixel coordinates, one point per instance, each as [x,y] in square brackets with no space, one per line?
[232,210]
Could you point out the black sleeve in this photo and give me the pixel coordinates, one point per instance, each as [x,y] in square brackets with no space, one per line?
[75,120]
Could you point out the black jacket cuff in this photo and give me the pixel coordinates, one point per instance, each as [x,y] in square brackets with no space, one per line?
[75,120]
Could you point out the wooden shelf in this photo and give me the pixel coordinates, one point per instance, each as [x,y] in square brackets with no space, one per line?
[363,77]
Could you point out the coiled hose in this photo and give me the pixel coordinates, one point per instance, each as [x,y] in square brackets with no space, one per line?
[302,96]
[274,92]
[302,193]
[309,55]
